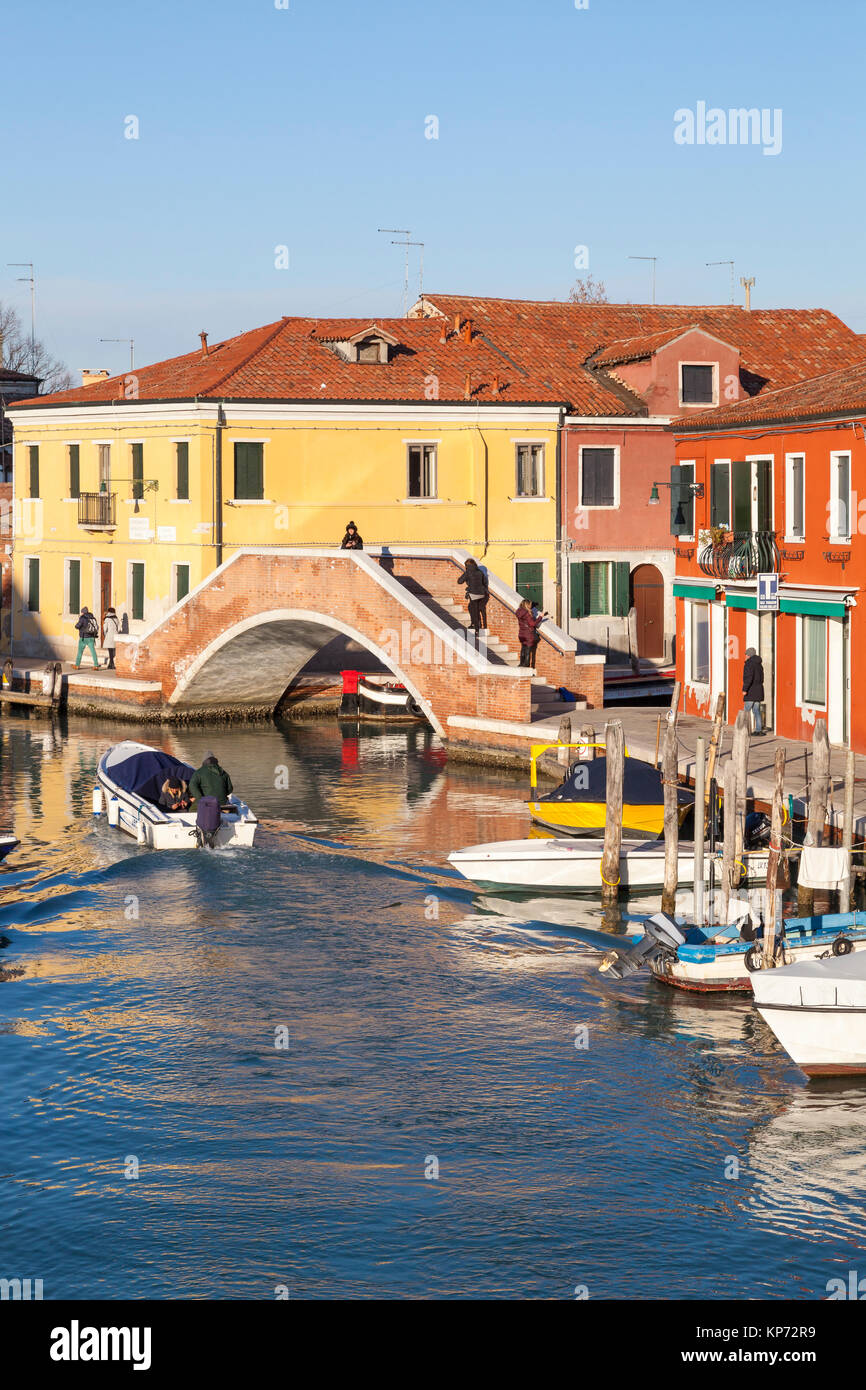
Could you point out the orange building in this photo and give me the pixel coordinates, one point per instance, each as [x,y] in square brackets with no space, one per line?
[776,486]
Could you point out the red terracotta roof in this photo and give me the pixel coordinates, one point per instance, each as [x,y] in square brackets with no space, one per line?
[833,393]
[633,349]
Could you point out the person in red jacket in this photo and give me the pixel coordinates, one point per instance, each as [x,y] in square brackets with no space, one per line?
[528,624]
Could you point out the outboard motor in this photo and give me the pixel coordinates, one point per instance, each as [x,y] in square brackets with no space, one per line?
[661,938]
[756,831]
[207,821]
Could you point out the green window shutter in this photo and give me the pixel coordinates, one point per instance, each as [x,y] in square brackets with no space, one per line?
[138,471]
[529,581]
[596,596]
[183,471]
[679,511]
[33,585]
[74,471]
[621,575]
[74,586]
[720,495]
[576,589]
[182,581]
[741,495]
[34,470]
[137,587]
[249,471]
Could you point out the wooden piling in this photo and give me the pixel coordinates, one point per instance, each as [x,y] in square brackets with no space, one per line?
[587,738]
[658,739]
[819,790]
[741,763]
[671,813]
[775,855]
[845,893]
[729,831]
[715,740]
[614,752]
[675,696]
[564,754]
[700,828]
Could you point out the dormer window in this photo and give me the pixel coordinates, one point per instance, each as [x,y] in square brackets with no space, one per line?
[371,350]
[371,344]
[698,383]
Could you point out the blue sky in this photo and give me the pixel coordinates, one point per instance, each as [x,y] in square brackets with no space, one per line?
[305,127]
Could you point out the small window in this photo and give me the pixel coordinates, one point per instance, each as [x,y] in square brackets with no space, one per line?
[32,580]
[596,587]
[249,472]
[796,498]
[700,643]
[104,467]
[530,470]
[840,496]
[137,471]
[181,582]
[814,660]
[598,477]
[33,460]
[369,350]
[720,495]
[697,384]
[73,587]
[422,470]
[136,591]
[529,580]
[182,462]
[74,470]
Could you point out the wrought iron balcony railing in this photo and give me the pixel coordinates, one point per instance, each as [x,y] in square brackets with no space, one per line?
[740,555]
[97,509]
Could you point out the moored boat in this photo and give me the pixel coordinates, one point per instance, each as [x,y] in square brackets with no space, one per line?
[817,1010]
[369,698]
[130,776]
[579,804]
[7,844]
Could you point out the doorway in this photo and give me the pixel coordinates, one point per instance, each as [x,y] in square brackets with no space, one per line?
[648,600]
[103,589]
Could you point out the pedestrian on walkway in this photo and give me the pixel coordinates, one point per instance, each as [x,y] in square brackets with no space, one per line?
[753,688]
[477,594]
[351,540]
[88,631]
[110,629]
[528,624]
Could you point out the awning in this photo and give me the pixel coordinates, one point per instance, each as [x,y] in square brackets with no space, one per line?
[821,608]
[703,592]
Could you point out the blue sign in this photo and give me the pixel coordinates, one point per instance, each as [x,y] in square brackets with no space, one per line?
[768,593]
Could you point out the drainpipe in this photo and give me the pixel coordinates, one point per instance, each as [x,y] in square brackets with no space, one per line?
[486,493]
[218,485]
[561,532]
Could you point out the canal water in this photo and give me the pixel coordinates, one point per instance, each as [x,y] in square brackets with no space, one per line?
[325,1067]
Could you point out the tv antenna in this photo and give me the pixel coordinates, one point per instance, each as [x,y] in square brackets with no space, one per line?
[402,232]
[731,264]
[653,259]
[32,279]
[131,342]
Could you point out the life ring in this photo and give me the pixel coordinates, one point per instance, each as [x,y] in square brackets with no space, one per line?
[754,959]
[842,946]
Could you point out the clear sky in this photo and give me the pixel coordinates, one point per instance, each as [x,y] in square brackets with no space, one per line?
[305,127]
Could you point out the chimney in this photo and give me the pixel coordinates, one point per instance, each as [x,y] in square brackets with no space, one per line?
[458,319]
[203,337]
[467,330]
[467,388]
[496,385]
[89,378]
[443,336]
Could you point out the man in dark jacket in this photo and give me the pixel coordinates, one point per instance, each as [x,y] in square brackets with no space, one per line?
[753,687]
[210,780]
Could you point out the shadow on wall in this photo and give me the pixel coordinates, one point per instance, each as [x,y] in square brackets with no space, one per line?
[24,636]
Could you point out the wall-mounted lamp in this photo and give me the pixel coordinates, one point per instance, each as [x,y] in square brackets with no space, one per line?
[696,489]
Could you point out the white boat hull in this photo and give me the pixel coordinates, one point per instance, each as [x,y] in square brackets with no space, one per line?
[729,972]
[574,865]
[157,829]
[818,1013]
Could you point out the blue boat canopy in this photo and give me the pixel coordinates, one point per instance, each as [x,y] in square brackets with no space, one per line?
[144,773]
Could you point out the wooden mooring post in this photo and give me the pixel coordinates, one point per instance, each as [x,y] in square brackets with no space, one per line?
[700,827]
[819,791]
[715,740]
[741,763]
[614,752]
[846,896]
[671,812]
[728,836]
[564,736]
[774,857]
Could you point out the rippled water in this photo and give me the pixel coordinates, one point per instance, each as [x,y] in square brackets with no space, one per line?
[139,997]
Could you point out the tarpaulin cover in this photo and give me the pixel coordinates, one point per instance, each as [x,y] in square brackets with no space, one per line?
[144,773]
[587,781]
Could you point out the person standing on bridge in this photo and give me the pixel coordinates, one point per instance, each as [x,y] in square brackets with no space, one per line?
[351,540]
[528,624]
[477,594]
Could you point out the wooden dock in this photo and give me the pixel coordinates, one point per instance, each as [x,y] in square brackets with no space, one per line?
[43,695]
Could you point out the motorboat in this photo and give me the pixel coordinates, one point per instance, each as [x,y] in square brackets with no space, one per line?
[712,961]
[574,865]
[817,1010]
[130,778]
[7,844]
[369,698]
[579,804]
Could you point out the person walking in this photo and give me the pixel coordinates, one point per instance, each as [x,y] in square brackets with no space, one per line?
[210,780]
[88,631]
[753,688]
[351,540]
[528,624]
[477,594]
[110,629]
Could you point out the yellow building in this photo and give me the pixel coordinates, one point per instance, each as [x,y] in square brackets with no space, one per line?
[130,491]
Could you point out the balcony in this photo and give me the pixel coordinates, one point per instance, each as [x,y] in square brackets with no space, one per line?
[740,554]
[97,511]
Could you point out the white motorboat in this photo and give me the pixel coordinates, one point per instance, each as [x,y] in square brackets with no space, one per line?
[7,844]
[574,865]
[712,960]
[817,1010]
[130,776]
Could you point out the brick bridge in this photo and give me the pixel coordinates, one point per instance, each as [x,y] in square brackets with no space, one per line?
[235,643]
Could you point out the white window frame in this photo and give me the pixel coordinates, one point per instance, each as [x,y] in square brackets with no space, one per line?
[25,596]
[790,533]
[185,501]
[753,460]
[541,495]
[67,561]
[97,591]
[709,500]
[598,507]
[174,569]
[264,500]
[698,405]
[129,565]
[843,537]
[434,475]
[800,651]
[691,678]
